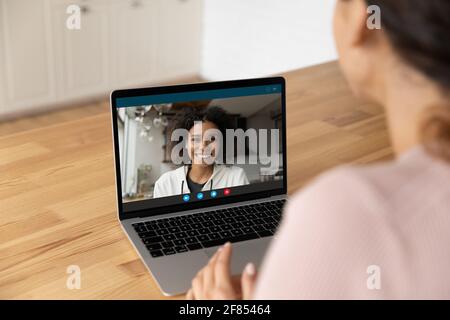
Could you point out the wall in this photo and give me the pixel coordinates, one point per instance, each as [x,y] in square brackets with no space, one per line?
[252,38]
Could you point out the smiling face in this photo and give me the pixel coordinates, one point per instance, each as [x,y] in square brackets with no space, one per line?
[201,145]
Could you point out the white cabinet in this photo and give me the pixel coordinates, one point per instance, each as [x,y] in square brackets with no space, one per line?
[155,40]
[121,43]
[179,43]
[27,59]
[134,44]
[82,55]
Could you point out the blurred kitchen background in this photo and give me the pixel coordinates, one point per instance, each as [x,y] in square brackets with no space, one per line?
[47,69]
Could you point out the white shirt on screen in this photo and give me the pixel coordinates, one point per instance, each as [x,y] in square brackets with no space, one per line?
[174,182]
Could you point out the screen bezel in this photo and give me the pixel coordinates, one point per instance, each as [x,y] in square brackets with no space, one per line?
[187,88]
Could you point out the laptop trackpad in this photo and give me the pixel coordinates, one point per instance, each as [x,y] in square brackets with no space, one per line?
[244,252]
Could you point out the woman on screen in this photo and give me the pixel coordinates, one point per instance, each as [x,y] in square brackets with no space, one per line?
[203,173]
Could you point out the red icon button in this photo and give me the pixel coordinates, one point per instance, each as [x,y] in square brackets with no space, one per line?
[226,191]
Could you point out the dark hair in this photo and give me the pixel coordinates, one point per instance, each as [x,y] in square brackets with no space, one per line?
[189,115]
[418,30]
[187,118]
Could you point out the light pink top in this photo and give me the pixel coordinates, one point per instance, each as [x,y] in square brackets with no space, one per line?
[391,220]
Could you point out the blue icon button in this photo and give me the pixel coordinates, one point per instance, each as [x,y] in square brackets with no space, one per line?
[186,198]
[200,196]
[213,194]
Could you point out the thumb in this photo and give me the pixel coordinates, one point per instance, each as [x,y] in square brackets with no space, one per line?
[248,281]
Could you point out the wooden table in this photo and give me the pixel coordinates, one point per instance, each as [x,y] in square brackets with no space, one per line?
[57,190]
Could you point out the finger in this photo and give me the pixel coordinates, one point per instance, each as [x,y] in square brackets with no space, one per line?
[222,268]
[248,281]
[190,295]
[213,259]
[208,274]
[237,286]
[197,286]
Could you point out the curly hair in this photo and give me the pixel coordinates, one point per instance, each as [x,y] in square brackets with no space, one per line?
[189,115]
[216,115]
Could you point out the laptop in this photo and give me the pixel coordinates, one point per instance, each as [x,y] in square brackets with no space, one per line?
[196,166]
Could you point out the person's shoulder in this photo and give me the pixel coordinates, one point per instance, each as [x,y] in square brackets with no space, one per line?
[230,169]
[380,186]
[336,226]
[339,209]
[235,169]
[238,173]
[382,194]
[346,190]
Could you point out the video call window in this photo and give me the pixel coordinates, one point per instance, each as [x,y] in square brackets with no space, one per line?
[182,148]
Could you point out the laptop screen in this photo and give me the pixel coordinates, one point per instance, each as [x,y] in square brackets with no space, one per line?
[198,146]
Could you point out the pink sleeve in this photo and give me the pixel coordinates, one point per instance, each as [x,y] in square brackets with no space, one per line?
[326,242]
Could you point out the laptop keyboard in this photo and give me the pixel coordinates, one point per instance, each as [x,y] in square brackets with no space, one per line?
[174,235]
